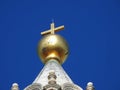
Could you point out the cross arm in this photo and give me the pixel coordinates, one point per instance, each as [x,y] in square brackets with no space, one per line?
[56,30]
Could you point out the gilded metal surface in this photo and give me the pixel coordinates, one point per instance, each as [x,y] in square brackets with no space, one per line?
[53,46]
[55,29]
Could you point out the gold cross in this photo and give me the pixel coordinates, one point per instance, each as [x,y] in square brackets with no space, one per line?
[53,29]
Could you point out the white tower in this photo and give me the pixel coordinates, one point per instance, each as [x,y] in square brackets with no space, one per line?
[53,51]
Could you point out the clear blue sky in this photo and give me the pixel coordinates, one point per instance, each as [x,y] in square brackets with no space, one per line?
[92,29]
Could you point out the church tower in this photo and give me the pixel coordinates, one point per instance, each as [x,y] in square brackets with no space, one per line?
[53,51]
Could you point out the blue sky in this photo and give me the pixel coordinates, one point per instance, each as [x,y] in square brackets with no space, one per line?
[92,30]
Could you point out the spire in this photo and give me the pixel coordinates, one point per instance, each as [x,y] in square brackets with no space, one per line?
[53,51]
[53,66]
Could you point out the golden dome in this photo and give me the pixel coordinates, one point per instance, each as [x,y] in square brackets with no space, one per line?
[53,46]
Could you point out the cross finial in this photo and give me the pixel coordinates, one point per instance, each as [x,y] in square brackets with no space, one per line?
[52,29]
